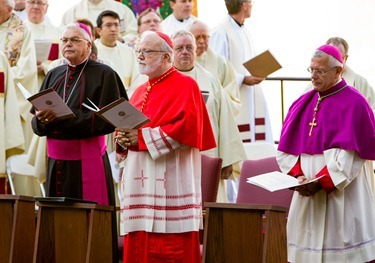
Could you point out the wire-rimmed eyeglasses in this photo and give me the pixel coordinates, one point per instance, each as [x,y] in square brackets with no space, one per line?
[319,71]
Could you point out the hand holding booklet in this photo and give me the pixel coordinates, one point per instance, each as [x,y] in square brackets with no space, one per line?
[263,64]
[120,113]
[48,99]
[275,181]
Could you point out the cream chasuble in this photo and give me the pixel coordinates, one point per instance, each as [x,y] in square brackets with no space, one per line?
[235,44]
[224,71]
[17,44]
[228,140]
[171,25]
[46,31]
[11,135]
[85,9]
[361,84]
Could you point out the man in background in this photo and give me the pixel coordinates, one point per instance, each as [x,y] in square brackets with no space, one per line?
[42,32]
[148,20]
[18,46]
[233,41]
[92,8]
[216,64]
[352,78]
[180,18]
[228,140]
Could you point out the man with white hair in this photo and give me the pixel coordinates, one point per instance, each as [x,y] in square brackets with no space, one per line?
[17,44]
[78,164]
[216,64]
[42,31]
[328,134]
[92,8]
[228,140]
[161,202]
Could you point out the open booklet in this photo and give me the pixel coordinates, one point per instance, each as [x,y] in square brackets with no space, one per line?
[48,99]
[276,181]
[46,49]
[262,65]
[120,113]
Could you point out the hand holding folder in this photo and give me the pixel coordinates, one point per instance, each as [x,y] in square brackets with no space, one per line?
[120,113]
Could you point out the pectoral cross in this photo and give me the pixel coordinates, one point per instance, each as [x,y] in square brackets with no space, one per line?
[312,124]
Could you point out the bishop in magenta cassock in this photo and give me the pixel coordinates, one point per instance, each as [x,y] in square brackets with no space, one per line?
[330,132]
[78,164]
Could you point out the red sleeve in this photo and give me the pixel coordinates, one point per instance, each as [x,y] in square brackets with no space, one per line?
[296,170]
[326,180]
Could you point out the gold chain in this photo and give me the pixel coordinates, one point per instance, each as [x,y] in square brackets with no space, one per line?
[145,97]
[313,122]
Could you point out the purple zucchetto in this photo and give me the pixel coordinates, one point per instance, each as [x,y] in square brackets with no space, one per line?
[333,51]
[84,27]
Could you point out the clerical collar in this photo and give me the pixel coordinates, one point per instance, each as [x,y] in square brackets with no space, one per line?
[181,20]
[188,70]
[340,84]
[240,25]
[79,65]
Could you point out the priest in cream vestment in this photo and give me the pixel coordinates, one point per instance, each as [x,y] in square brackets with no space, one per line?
[216,64]
[11,135]
[228,140]
[92,8]
[232,39]
[18,46]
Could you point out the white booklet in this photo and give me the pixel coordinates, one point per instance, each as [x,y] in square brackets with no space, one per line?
[276,181]
[120,113]
[42,49]
[48,99]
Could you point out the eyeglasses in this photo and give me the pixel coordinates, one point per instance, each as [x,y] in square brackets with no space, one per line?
[38,3]
[147,22]
[147,52]
[73,40]
[249,2]
[319,71]
[189,48]
[110,25]
[203,37]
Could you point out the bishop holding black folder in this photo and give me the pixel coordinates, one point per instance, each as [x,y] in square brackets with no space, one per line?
[78,165]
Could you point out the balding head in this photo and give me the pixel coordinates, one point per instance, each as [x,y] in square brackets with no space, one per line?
[201,32]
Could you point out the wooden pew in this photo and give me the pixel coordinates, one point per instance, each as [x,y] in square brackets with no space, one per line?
[238,233]
[17,228]
[70,231]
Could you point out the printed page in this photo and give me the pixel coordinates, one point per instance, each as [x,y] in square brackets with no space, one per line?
[276,181]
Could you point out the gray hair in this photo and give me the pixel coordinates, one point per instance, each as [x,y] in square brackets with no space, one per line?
[10,3]
[183,32]
[164,45]
[83,32]
[332,61]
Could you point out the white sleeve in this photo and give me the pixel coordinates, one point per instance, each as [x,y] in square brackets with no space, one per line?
[158,142]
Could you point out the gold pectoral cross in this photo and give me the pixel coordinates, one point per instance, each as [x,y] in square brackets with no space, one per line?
[312,124]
